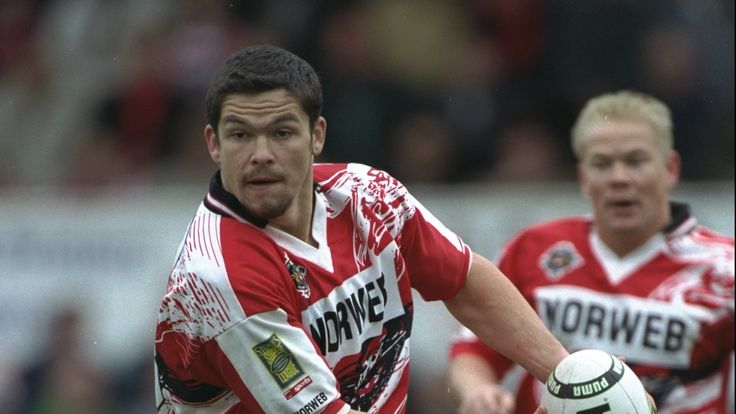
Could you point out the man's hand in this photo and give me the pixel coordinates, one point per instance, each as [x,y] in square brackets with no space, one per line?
[487,399]
[540,410]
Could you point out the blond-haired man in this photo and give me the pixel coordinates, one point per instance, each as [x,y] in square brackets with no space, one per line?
[640,278]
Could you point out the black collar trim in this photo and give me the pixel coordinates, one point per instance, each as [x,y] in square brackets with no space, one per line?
[221,202]
[682,221]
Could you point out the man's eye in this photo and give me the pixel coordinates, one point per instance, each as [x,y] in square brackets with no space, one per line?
[238,134]
[283,133]
[636,161]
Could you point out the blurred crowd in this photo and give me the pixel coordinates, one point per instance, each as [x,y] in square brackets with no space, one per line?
[62,379]
[110,92]
[103,92]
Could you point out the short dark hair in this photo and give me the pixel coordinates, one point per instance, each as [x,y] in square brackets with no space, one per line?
[260,69]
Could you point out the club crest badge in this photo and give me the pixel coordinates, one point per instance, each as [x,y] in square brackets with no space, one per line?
[299,276]
[560,259]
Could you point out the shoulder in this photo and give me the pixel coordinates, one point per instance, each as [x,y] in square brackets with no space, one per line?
[706,236]
[362,185]
[704,245]
[687,236]
[199,301]
[332,177]
[220,241]
[232,256]
[698,239]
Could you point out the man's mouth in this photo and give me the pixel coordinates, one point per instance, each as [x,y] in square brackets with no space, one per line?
[622,205]
[261,182]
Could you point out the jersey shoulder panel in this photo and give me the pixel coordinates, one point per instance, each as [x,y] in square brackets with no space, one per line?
[199,303]
[373,194]
[257,269]
[707,277]
[354,176]
[198,283]
[226,270]
[704,247]
[701,242]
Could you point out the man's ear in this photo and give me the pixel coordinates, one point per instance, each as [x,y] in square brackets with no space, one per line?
[213,144]
[582,180]
[318,136]
[674,165]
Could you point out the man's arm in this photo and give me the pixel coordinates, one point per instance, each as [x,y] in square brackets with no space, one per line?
[490,306]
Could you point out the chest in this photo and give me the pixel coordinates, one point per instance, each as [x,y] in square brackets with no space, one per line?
[642,314]
[346,303]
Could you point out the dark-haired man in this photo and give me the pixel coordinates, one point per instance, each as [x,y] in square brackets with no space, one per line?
[292,289]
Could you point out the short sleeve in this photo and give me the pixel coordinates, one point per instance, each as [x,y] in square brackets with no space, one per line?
[437,260]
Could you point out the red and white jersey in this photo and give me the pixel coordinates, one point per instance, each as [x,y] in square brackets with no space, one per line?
[257,321]
[667,307]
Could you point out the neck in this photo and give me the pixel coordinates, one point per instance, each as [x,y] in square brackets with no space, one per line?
[623,244]
[624,241]
[297,221]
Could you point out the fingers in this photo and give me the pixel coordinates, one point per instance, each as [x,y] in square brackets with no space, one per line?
[540,410]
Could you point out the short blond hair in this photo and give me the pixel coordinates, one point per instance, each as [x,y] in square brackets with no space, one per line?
[625,105]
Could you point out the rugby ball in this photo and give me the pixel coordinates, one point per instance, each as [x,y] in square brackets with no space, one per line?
[594,382]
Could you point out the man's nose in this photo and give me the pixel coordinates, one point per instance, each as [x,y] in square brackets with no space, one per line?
[619,173]
[262,151]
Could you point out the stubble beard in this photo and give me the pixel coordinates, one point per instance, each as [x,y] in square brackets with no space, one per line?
[270,208]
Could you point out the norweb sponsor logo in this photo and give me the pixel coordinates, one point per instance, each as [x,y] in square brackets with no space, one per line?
[313,405]
[645,328]
[350,315]
[622,324]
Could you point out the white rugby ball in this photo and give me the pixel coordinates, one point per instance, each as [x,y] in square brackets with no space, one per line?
[594,382]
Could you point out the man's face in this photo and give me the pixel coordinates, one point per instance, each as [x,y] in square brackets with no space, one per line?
[265,149]
[627,177]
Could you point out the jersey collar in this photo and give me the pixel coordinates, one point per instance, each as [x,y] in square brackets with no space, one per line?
[220,201]
[681,222]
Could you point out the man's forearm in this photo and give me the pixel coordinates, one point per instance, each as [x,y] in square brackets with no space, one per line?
[494,309]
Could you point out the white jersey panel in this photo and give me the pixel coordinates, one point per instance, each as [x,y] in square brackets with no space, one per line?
[274,358]
[640,328]
[200,301]
[342,321]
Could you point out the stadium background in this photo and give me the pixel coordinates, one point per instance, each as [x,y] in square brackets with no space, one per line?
[469,102]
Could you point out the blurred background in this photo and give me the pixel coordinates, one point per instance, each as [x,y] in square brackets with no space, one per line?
[469,102]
